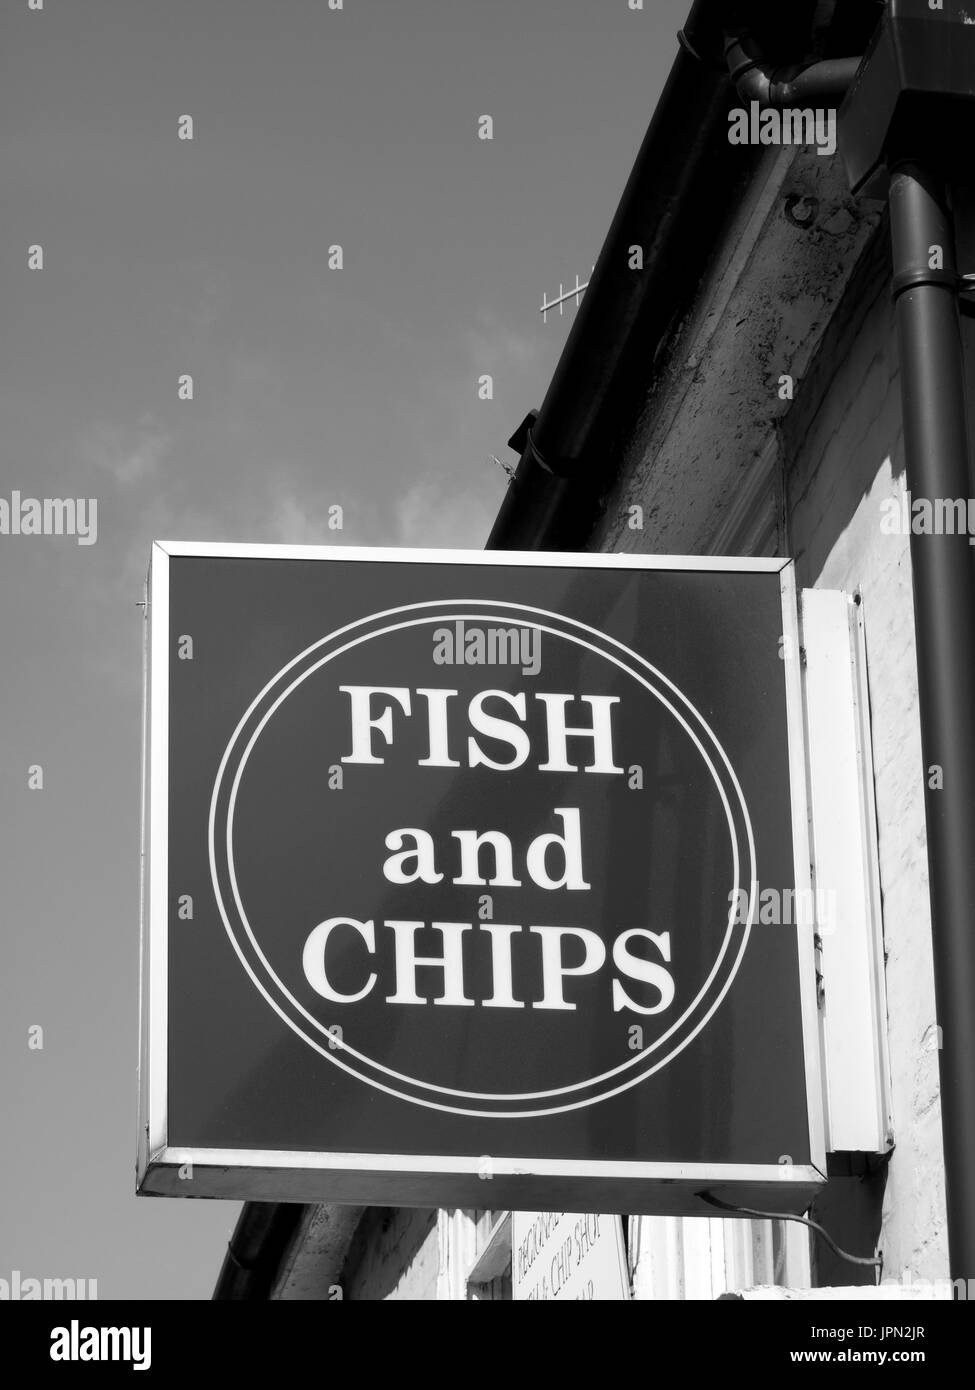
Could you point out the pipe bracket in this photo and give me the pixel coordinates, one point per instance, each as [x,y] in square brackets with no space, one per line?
[917,276]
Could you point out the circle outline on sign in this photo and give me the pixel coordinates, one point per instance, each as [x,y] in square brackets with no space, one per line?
[504,1097]
[426,619]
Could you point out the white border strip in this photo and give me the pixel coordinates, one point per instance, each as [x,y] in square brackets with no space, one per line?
[463,1166]
[507,558]
[158,868]
[805,930]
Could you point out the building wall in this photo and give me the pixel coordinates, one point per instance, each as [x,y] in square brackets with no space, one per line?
[422,1255]
[843,454]
[395,1254]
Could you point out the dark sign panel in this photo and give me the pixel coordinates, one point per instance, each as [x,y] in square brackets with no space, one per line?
[456,864]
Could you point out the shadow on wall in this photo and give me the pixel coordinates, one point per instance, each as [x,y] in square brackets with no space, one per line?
[394,1255]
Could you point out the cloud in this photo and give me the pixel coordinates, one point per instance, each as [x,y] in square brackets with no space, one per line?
[293,521]
[131,454]
[500,347]
[426,517]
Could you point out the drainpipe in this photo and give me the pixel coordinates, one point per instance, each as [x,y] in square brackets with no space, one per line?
[937,462]
[906,130]
[816,84]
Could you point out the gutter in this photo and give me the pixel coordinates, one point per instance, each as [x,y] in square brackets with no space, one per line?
[685,170]
[255,1251]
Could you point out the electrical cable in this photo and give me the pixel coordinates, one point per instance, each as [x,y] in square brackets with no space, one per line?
[876,1262]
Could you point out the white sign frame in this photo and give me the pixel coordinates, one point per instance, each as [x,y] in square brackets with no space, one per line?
[437,1179]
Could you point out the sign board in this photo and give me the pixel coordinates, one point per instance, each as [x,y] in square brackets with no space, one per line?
[567,1256]
[454,872]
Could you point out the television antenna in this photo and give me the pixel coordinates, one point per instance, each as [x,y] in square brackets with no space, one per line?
[576,292]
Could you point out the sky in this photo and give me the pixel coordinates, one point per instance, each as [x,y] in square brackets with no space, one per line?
[313,388]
